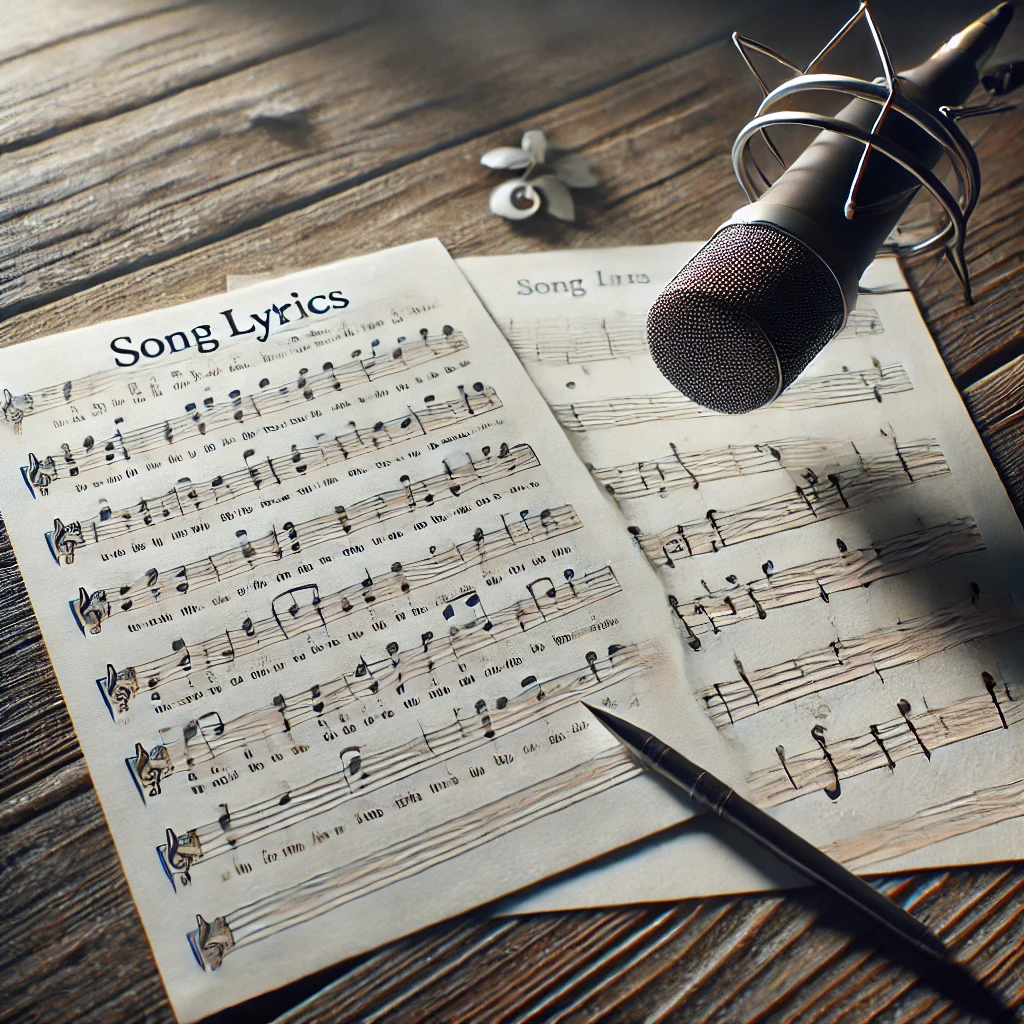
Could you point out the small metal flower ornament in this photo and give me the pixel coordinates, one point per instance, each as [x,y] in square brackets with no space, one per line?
[548,174]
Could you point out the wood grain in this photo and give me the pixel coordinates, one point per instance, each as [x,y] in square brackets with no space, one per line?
[273,124]
[154,146]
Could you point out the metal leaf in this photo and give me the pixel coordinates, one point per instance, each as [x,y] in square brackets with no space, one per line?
[556,195]
[574,171]
[506,158]
[515,200]
[535,143]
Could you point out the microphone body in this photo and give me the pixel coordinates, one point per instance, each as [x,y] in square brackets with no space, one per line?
[777,281]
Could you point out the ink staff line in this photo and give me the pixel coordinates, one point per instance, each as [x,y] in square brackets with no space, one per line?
[870,385]
[121,686]
[41,476]
[885,744]
[847,659]
[71,463]
[821,579]
[187,498]
[366,771]
[91,610]
[208,738]
[317,895]
[16,408]
[827,491]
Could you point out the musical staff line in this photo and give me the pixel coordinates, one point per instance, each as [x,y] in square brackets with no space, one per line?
[967,813]
[307,386]
[367,770]
[813,392]
[846,660]
[740,602]
[91,610]
[691,469]
[206,739]
[887,743]
[288,622]
[597,339]
[212,941]
[186,498]
[41,474]
[829,489]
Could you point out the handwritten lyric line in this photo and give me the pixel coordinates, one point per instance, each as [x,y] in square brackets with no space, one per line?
[829,489]
[213,941]
[870,385]
[365,770]
[742,601]
[845,660]
[187,498]
[301,610]
[41,474]
[885,744]
[967,813]
[91,610]
[596,339]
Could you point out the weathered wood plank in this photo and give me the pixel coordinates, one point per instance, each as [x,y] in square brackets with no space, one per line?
[133,61]
[70,925]
[782,963]
[210,160]
[1006,446]
[976,339]
[998,398]
[674,201]
[31,26]
[659,140]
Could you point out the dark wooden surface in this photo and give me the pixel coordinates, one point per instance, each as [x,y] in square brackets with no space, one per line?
[149,147]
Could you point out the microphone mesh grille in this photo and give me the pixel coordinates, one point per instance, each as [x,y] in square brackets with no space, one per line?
[743,318]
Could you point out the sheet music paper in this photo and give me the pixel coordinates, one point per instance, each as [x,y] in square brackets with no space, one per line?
[844,569]
[323,583]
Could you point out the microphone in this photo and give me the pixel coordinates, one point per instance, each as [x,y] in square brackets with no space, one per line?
[778,280]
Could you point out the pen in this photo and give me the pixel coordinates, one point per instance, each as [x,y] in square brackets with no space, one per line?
[704,789]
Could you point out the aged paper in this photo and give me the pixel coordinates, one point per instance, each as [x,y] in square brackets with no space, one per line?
[323,582]
[844,569]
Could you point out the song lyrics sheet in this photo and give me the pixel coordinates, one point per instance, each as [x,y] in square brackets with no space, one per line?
[323,583]
[843,568]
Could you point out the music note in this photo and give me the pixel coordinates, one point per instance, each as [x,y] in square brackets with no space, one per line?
[990,686]
[301,618]
[185,660]
[197,417]
[903,706]
[549,593]
[253,471]
[834,791]
[780,750]
[352,763]
[485,719]
[531,681]
[293,536]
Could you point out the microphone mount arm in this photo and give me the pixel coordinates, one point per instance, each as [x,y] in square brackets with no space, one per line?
[889,95]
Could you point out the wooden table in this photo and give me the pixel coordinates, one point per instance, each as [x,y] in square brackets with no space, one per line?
[149,147]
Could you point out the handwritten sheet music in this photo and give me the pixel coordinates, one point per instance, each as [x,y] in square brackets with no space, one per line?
[323,584]
[844,568]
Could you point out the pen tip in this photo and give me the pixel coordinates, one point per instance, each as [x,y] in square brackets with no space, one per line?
[600,714]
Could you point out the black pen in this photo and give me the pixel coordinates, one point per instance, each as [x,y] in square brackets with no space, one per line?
[703,788]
